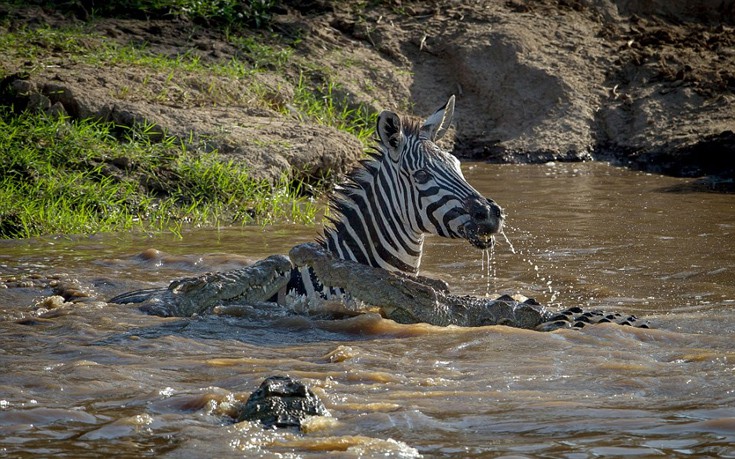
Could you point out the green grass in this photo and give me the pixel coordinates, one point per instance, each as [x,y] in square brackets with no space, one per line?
[79,176]
[260,55]
[188,80]
[325,107]
[62,176]
[87,47]
[218,13]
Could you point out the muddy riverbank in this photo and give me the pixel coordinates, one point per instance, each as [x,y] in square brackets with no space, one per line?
[647,84]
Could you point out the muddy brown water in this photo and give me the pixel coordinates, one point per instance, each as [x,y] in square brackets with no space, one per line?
[95,380]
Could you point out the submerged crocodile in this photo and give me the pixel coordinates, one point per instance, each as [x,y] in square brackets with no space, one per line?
[396,296]
[190,296]
[368,258]
[279,402]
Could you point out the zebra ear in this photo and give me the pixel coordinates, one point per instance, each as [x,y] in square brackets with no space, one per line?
[437,124]
[390,132]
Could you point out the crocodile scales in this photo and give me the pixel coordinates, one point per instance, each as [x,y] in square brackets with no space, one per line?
[397,296]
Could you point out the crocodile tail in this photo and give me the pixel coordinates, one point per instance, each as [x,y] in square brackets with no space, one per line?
[577,317]
[138,296]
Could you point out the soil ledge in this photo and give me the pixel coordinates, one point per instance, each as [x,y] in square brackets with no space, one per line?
[650,85]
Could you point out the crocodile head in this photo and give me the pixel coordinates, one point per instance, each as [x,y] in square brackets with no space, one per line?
[253,284]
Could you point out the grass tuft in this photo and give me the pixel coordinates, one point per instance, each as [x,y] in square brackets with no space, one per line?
[219,13]
[62,176]
[326,107]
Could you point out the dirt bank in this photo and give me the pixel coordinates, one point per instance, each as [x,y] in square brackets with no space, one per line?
[648,84]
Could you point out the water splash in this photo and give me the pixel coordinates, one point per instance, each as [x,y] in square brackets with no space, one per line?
[510,244]
[488,263]
[545,280]
[488,269]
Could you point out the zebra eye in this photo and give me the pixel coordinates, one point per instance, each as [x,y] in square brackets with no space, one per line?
[421,176]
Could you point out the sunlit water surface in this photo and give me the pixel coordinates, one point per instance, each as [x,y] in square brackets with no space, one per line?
[100,380]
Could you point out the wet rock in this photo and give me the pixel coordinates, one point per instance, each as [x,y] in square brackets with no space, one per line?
[281,401]
[73,291]
[712,155]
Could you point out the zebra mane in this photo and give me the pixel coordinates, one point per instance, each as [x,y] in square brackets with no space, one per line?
[361,177]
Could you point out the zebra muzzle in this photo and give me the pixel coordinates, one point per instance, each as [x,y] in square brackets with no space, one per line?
[486,219]
[479,239]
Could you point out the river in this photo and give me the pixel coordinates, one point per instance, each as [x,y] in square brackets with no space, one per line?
[95,380]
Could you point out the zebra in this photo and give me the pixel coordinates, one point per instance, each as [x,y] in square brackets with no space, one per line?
[407,188]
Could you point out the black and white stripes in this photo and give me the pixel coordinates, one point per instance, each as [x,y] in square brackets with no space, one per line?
[408,188]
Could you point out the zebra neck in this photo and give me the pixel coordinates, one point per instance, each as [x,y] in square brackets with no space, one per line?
[375,234]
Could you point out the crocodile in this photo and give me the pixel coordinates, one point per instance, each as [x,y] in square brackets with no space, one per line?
[280,402]
[197,295]
[396,296]
[414,299]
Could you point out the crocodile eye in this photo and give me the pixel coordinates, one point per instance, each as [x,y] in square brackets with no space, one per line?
[421,176]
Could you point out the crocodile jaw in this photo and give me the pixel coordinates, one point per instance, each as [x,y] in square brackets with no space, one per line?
[275,272]
[253,284]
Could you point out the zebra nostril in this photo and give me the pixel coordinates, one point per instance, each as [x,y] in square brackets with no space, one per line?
[480,214]
[494,210]
[486,216]
[482,210]
[497,211]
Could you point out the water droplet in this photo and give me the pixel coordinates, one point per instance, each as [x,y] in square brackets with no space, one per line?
[488,268]
[512,249]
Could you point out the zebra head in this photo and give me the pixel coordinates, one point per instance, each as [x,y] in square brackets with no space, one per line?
[438,199]
[409,188]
